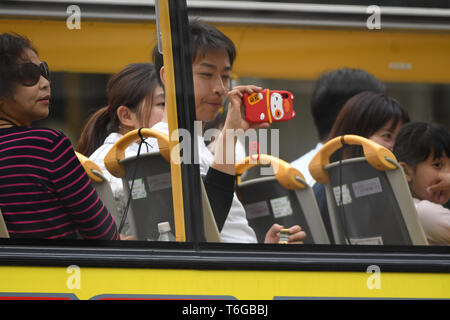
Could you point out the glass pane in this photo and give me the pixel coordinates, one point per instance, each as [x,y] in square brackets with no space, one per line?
[75,96]
[424,102]
[411,63]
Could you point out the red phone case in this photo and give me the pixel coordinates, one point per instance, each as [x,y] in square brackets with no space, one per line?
[269,106]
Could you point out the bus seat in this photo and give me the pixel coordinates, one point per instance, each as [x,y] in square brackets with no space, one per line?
[3,229]
[368,198]
[101,185]
[284,198]
[151,197]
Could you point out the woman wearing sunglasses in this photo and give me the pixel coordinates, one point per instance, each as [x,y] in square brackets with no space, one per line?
[44,190]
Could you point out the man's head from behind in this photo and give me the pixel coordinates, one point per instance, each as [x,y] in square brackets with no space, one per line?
[333,89]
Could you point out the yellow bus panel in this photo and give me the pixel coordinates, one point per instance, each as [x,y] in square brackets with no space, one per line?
[103,283]
[263,51]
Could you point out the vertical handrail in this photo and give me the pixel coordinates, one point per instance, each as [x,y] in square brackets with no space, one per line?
[163,18]
[180,104]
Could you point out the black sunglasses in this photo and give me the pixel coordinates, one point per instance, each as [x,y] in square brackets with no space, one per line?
[29,73]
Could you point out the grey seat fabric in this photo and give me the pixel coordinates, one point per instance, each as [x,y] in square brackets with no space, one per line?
[148,176]
[101,185]
[151,198]
[283,198]
[105,193]
[362,206]
[267,202]
[368,203]
[3,229]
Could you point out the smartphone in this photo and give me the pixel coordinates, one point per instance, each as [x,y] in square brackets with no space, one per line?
[269,106]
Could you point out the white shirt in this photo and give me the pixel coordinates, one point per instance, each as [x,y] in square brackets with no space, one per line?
[302,163]
[435,220]
[236,228]
[98,156]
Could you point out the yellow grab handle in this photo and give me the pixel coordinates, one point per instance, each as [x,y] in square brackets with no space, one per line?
[88,166]
[117,152]
[375,154]
[284,172]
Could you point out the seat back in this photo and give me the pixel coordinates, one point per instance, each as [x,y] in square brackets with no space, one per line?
[283,198]
[368,198]
[101,186]
[148,176]
[3,229]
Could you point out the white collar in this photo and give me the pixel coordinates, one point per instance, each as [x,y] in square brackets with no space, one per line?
[113,137]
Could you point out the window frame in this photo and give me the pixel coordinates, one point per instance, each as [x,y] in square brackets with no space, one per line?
[210,256]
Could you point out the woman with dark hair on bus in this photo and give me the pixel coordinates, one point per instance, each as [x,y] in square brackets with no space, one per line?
[375,116]
[44,190]
[136,100]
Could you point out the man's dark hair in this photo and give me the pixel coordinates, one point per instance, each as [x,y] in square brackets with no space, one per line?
[12,47]
[202,38]
[417,140]
[333,89]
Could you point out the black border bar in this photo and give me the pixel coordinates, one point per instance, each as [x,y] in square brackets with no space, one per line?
[184,87]
[130,254]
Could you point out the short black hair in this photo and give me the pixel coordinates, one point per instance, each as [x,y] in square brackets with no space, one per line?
[333,89]
[202,38]
[12,46]
[417,140]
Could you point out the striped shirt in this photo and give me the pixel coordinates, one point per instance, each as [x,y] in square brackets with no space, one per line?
[44,190]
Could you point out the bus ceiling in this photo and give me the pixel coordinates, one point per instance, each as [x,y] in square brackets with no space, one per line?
[241,12]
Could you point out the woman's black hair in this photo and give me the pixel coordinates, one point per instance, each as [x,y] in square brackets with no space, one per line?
[129,87]
[417,140]
[364,114]
[12,47]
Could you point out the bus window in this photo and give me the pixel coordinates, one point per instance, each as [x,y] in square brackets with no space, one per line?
[273,53]
[284,46]
[423,101]
[75,96]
